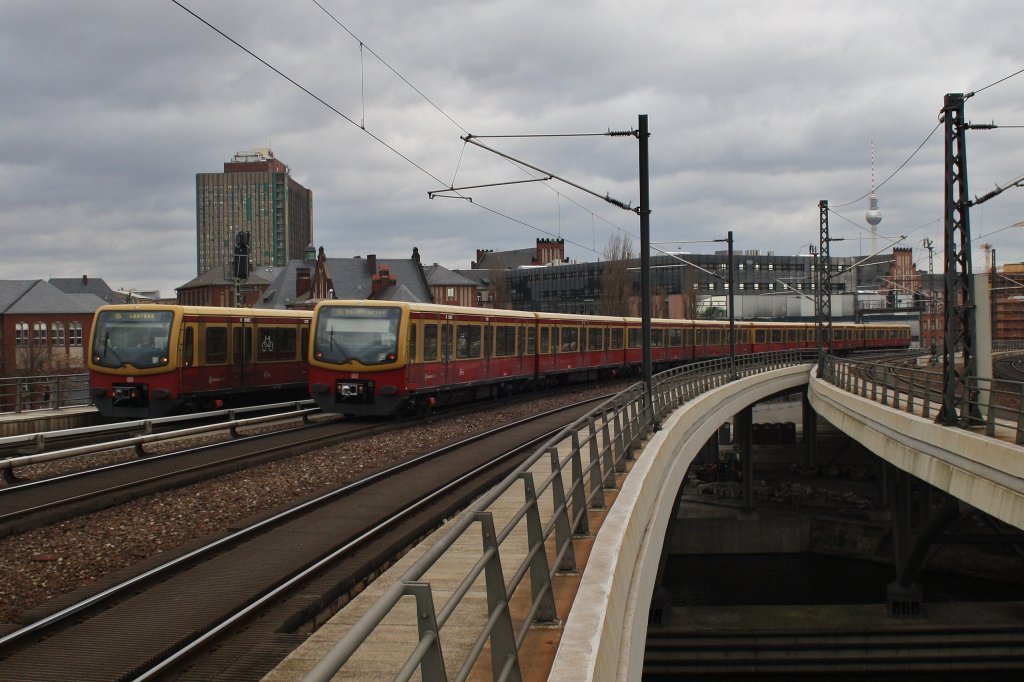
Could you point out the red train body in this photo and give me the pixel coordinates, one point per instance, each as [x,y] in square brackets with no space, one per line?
[149,361]
[382,358]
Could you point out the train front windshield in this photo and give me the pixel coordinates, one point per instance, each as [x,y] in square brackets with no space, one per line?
[132,337]
[364,334]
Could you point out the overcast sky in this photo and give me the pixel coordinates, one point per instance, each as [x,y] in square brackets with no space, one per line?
[757,110]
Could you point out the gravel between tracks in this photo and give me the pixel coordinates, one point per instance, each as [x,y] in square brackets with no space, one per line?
[45,562]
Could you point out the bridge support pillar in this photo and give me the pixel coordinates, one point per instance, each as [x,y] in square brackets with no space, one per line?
[810,431]
[744,441]
[918,520]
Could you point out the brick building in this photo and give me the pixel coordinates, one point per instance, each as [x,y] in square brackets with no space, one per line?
[42,329]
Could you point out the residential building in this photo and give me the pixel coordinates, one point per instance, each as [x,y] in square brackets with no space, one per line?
[42,329]
[255,194]
[303,283]
[450,287]
[215,288]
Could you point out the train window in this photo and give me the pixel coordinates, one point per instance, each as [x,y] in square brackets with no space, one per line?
[760,335]
[714,337]
[675,337]
[790,336]
[429,342]
[634,338]
[467,341]
[531,340]
[700,337]
[521,346]
[276,343]
[545,336]
[412,343]
[595,338]
[615,343]
[216,345]
[488,341]
[504,340]
[139,338]
[353,333]
[776,336]
[570,339]
[688,337]
[188,348]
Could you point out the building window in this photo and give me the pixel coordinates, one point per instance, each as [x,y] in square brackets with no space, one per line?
[75,334]
[39,333]
[21,334]
[57,333]
[450,292]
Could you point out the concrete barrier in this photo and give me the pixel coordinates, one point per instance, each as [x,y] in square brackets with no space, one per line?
[606,631]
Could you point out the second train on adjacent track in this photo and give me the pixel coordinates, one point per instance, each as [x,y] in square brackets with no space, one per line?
[382,358]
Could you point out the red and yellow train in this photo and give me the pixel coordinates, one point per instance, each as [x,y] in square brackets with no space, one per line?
[383,358]
[152,360]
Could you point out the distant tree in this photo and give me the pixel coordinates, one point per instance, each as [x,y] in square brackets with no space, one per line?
[617,280]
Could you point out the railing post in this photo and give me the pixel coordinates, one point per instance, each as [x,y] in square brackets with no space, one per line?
[503,640]
[579,494]
[562,515]
[432,662]
[990,418]
[926,403]
[540,577]
[1020,417]
[596,449]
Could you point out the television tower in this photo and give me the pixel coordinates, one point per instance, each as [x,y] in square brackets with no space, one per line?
[873,216]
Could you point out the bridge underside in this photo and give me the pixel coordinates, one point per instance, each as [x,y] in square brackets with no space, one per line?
[605,634]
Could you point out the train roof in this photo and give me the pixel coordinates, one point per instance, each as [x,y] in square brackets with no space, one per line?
[208,310]
[435,308]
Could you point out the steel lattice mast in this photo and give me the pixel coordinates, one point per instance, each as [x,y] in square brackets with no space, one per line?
[958,287]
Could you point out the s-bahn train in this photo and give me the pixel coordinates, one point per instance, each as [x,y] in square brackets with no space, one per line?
[148,361]
[382,358]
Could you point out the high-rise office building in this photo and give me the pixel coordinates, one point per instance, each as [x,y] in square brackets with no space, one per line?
[254,194]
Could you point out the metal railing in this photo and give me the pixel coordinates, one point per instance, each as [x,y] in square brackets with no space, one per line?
[991,403]
[582,460]
[45,392]
[39,441]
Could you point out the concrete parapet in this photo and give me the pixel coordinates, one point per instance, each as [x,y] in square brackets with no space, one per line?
[605,633]
[987,473]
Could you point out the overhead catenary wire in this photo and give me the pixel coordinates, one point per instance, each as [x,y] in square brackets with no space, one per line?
[373,136]
[893,174]
[362,45]
[307,91]
[1005,78]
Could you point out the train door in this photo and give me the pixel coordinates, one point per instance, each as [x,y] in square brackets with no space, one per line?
[241,353]
[446,352]
[488,350]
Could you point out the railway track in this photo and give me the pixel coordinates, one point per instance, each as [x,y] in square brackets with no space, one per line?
[155,624]
[35,503]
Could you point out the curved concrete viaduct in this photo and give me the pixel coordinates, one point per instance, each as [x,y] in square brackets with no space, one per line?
[606,630]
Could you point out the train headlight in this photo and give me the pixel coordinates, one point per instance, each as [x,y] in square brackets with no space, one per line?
[350,390]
